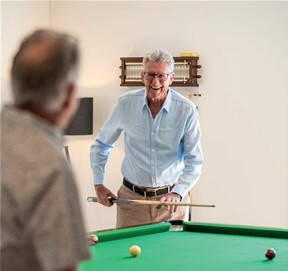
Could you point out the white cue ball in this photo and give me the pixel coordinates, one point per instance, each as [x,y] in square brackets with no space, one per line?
[135,250]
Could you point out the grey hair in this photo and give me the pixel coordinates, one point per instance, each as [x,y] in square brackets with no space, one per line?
[159,55]
[40,81]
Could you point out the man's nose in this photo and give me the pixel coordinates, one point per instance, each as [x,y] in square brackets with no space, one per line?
[156,76]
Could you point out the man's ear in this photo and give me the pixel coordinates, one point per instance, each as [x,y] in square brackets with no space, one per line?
[70,104]
[68,108]
[171,79]
[71,96]
[142,78]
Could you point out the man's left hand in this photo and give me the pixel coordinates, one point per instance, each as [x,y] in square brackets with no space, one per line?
[171,197]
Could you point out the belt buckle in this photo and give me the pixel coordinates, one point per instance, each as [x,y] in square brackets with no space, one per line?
[145,193]
[155,193]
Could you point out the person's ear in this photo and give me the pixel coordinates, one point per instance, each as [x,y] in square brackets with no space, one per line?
[142,78]
[171,78]
[71,96]
[69,107]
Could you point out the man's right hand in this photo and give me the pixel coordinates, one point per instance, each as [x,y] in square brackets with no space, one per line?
[103,195]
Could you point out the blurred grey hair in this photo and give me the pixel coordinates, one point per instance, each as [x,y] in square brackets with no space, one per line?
[159,55]
[41,83]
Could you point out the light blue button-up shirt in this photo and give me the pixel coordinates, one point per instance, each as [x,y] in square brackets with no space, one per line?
[159,151]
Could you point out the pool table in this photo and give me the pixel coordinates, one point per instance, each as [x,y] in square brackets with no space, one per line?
[196,246]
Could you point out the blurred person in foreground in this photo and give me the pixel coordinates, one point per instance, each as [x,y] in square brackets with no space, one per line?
[41,220]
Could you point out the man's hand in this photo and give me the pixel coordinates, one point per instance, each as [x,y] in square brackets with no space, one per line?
[171,197]
[103,194]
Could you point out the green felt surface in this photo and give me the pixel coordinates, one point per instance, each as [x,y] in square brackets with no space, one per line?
[230,248]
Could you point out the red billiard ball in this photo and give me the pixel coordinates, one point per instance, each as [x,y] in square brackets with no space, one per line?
[93,239]
[270,253]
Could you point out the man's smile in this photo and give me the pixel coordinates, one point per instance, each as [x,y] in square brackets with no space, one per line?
[156,87]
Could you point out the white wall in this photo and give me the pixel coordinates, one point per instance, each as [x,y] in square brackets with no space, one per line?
[243,108]
[17,19]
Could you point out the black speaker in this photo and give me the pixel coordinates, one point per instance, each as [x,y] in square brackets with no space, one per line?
[82,122]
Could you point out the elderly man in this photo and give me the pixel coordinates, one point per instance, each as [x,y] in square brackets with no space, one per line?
[163,156]
[41,220]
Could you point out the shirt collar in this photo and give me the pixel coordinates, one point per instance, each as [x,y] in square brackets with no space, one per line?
[167,102]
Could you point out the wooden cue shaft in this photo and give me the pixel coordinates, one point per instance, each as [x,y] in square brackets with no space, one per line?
[152,202]
[156,202]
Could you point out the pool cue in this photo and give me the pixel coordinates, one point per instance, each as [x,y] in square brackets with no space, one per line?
[151,202]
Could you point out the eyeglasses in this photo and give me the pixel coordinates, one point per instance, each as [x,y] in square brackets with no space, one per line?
[161,76]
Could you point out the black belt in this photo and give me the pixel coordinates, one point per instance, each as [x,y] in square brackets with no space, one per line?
[144,192]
